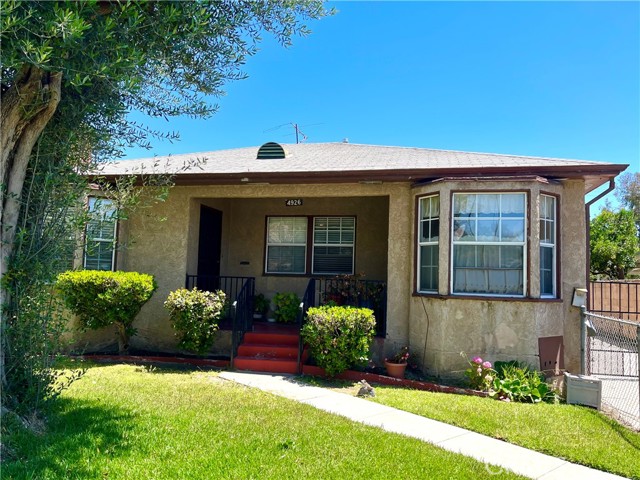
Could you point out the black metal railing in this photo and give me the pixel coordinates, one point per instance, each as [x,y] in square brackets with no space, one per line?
[349,290]
[308,301]
[231,286]
[242,315]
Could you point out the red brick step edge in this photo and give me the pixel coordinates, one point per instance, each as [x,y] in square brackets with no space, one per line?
[397,382]
[203,362]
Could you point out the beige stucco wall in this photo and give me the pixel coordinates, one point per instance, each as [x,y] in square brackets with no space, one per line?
[442,326]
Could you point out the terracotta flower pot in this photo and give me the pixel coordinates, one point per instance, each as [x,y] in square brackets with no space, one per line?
[395,370]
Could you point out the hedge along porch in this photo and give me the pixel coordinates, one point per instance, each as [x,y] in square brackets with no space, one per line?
[495,288]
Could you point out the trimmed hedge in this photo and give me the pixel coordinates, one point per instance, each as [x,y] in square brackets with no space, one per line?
[195,315]
[102,298]
[339,337]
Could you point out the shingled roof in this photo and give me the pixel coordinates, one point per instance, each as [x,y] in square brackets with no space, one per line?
[348,162]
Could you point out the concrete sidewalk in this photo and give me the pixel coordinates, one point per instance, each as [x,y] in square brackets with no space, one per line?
[486,449]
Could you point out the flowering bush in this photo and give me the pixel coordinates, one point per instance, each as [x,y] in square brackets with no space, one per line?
[400,357]
[480,374]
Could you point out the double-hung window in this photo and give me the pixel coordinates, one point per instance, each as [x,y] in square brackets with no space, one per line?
[331,245]
[547,246]
[286,245]
[100,237]
[428,236]
[489,243]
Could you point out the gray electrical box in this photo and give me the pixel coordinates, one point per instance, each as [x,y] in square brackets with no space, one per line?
[583,390]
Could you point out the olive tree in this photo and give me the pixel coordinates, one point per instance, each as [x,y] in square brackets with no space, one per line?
[71,73]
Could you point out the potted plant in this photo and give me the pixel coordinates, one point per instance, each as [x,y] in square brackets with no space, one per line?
[261,306]
[287,305]
[397,364]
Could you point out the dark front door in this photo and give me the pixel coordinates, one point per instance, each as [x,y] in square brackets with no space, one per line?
[209,246]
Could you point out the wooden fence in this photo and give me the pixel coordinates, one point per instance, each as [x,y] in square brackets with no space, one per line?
[618,299]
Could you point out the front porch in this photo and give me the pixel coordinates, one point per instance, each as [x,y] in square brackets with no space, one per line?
[260,345]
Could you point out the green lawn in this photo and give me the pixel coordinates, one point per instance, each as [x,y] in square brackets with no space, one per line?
[124,422]
[577,434]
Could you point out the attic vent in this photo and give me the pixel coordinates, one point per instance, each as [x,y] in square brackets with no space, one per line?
[271,150]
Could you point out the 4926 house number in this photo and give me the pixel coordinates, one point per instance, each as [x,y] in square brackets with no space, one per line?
[293,202]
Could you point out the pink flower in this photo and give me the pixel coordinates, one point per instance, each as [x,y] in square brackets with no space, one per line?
[479,370]
[486,364]
[477,360]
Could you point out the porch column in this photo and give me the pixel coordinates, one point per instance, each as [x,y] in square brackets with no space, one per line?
[399,267]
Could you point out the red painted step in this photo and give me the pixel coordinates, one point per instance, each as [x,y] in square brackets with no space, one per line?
[261,338]
[269,348]
[268,351]
[272,365]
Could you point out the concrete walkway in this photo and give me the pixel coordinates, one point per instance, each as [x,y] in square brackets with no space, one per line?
[485,449]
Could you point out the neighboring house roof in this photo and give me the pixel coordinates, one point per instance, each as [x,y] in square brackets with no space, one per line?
[348,162]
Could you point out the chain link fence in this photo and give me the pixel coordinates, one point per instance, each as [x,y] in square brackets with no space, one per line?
[612,356]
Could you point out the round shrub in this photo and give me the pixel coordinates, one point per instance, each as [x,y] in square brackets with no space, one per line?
[287,307]
[195,315]
[339,337]
[102,298]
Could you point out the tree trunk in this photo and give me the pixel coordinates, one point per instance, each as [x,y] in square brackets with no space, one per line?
[27,107]
[123,339]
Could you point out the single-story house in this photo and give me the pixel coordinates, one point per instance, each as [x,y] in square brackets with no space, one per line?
[469,252]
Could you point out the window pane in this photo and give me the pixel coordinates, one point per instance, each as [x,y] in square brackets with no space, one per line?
[429,268]
[435,206]
[511,257]
[488,231]
[287,259]
[332,260]
[464,204]
[512,205]
[98,256]
[512,230]
[464,230]
[546,271]
[488,205]
[287,230]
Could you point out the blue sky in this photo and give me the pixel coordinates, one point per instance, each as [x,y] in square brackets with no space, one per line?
[544,79]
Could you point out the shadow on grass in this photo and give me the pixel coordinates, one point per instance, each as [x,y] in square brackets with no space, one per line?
[76,432]
[626,434]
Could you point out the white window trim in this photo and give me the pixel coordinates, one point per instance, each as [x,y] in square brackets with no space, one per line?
[268,244]
[452,242]
[424,244]
[553,246]
[314,244]
[90,204]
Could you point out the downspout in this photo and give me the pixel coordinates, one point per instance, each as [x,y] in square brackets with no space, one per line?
[587,216]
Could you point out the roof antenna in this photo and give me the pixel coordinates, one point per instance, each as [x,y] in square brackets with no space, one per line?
[298,132]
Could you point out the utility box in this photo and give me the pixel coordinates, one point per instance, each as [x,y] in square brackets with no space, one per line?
[583,390]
